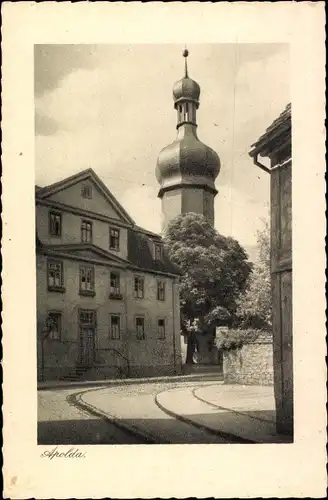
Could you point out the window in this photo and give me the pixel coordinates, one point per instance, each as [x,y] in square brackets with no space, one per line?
[55,275]
[55,223]
[139,287]
[161,328]
[54,325]
[86,231]
[87,279]
[160,290]
[86,191]
[115,326]
[114,283]
[114,239]
[158,251]
[186,114]
[140,328]
[87,317]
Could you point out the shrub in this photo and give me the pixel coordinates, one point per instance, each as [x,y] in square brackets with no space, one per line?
[228,340]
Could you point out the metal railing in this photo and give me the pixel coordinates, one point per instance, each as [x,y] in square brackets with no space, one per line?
[112,349]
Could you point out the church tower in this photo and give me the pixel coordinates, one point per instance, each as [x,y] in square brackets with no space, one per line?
[186,169]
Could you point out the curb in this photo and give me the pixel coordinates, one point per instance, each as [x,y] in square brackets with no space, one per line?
[129,381]
[233,438]
[77,401]
[228,409]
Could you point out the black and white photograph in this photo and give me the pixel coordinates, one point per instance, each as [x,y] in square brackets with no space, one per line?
[163,250]
[163,243]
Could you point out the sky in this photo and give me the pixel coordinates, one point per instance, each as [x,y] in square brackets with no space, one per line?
[110,107]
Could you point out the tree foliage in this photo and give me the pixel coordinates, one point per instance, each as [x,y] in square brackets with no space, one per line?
[214,268]
[255,304]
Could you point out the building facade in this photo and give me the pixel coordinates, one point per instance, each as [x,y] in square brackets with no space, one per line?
[186,169]
[276,144]
[107,295]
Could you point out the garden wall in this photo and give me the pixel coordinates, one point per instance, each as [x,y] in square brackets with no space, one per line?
[251,364]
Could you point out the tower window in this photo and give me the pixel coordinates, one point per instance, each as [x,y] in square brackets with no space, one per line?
[193,113]
[186,111]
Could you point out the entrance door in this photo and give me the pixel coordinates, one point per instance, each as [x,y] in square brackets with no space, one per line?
[87,326]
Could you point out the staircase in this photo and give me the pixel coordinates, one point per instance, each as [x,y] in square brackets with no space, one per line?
[203,371]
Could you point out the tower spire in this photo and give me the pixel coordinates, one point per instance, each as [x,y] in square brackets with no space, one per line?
[185,55]
[186,169]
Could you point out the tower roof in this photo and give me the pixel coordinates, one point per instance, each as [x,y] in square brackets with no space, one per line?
[186,88]
[187,161]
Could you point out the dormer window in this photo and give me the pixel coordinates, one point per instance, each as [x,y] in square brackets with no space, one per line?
[158,251]
[86,191]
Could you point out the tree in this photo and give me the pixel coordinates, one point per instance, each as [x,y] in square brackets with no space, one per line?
[214,273]
[255,305]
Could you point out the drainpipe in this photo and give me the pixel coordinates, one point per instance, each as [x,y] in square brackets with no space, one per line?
[174,332]
[126,339]
[42,354]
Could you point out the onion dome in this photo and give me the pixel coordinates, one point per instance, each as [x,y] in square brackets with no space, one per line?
[186,88]
[187,160]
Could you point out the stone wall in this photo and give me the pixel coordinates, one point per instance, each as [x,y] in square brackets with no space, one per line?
[252,364]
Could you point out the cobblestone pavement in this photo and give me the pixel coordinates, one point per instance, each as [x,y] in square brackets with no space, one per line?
[59,422]
[135,407]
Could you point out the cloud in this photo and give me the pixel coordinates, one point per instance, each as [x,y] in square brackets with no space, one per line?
[54,62]
[238,215]
[111,108]
[144,207]
[45,125]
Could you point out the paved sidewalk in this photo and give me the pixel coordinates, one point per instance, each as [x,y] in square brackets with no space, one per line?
[244,411]
[186,413]
[134,408]
[66,384]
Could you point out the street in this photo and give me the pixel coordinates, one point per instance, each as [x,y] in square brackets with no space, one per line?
[62,423]
[123,414]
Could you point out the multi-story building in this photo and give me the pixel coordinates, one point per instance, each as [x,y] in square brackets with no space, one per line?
[107,294]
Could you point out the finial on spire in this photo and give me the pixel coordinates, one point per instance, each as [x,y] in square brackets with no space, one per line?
[185,55]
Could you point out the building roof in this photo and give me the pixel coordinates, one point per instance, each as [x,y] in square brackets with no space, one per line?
[89,173]
[280,126]
[139,254]
[140,240]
